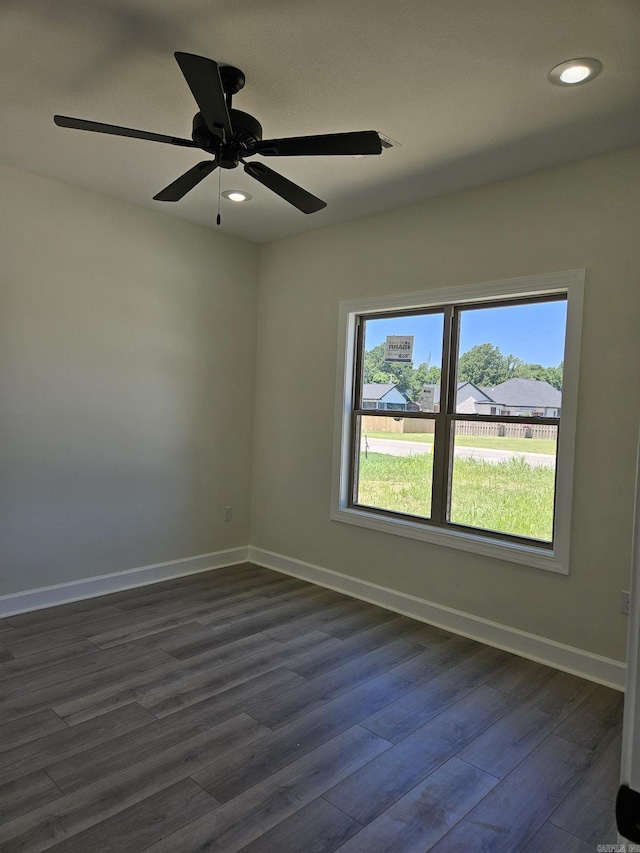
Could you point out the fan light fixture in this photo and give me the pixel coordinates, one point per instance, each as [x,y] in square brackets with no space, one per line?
[575,71]
[236,195]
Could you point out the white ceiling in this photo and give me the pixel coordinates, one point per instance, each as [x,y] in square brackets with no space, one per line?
[461,84]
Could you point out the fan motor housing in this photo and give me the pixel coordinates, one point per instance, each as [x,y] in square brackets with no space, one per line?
[246,131]
[246,128]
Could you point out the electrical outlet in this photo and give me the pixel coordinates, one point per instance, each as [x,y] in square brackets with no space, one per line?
[228,513]
[625,602]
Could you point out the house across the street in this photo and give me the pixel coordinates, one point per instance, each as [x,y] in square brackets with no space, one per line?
[526,397]
[522,397]
[384,396]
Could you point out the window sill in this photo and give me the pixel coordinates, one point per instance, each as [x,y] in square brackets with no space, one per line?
[511,552]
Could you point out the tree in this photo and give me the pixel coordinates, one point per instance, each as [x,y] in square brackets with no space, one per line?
[552,375]
[483,364]
[432,376]
[513,364]
[531,371]
[408,378]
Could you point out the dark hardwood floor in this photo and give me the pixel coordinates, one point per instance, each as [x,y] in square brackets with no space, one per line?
[243,710]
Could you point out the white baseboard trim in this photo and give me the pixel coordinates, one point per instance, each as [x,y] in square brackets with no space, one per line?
[557,655]
[64,593]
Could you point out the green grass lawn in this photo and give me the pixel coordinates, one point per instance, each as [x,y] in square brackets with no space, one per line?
[493,442]
[509,497]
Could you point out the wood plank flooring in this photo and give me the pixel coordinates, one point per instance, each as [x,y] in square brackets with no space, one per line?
[244,710]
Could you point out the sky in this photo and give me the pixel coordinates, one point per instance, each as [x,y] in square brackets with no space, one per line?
[533,332]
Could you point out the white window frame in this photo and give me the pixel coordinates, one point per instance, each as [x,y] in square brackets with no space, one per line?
[569,283]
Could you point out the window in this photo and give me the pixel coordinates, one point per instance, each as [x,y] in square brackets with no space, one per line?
[480,458]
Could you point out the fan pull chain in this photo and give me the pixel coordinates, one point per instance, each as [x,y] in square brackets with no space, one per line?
[218,217]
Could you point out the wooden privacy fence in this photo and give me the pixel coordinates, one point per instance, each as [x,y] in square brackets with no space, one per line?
[524,430]
[371,424]
[415,425]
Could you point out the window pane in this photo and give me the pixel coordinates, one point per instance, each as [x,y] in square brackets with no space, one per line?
[510,359]
[402,355]
[395,468]
[503,478]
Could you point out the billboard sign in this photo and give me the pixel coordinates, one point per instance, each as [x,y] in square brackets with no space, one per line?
[398,348]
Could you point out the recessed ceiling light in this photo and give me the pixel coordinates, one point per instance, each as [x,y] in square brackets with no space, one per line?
[237,195]
[575,71]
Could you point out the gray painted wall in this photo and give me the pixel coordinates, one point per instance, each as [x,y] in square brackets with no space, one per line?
[127,353]
[582,215]
[127,360]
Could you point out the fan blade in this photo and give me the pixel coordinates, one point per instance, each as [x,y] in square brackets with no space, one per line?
[203,78]
[360,142]
[286,189]
[98,127]
[181,186]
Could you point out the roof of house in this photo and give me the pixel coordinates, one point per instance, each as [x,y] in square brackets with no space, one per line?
[377,390]
[468,389]
[533,393]
[465,390]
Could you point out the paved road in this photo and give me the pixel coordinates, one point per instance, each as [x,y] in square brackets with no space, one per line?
[397,447]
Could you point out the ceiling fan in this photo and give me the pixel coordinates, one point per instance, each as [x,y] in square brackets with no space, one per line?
[231,136]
